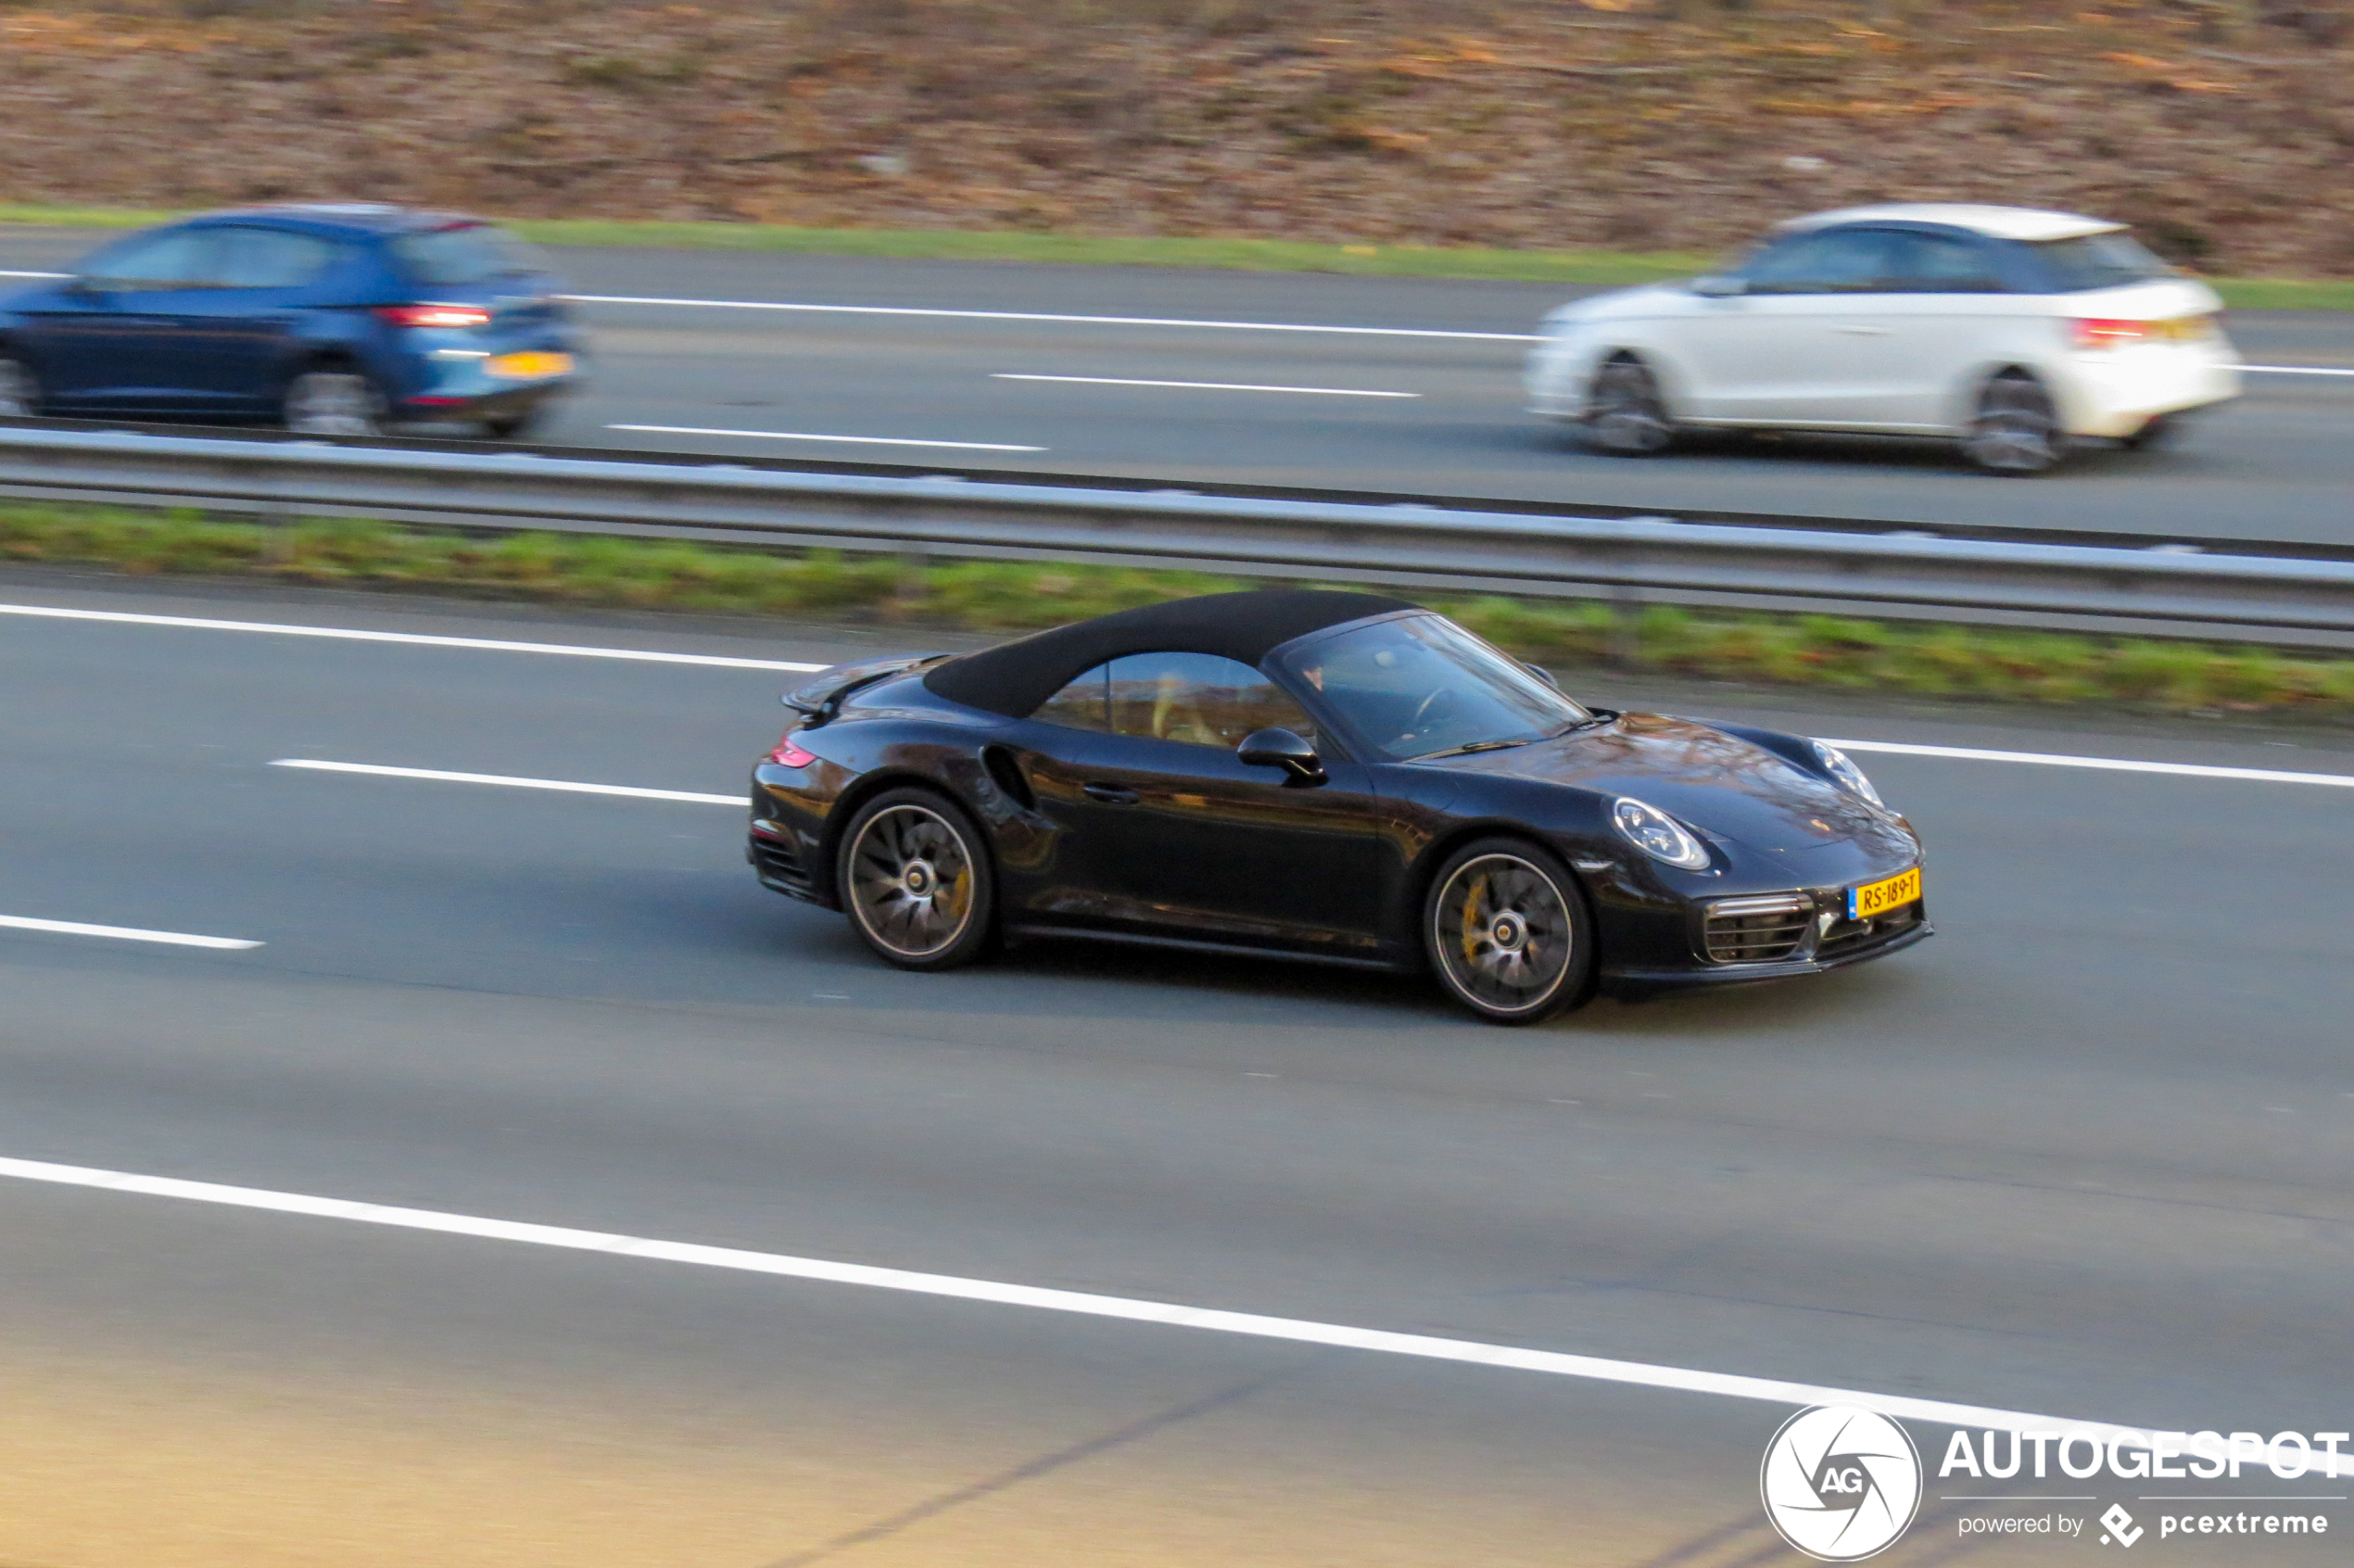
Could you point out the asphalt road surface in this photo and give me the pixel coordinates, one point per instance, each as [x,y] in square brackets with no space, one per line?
[2086,1154]
[1289,407]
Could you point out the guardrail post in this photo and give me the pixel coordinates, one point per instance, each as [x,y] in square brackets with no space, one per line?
[908,593]
[1623,645]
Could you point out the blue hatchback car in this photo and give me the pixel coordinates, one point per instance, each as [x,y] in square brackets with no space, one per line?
[332,320]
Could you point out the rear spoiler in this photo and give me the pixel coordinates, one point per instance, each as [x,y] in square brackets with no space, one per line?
[822,698]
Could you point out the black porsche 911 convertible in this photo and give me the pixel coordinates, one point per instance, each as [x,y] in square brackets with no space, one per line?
[1328,776]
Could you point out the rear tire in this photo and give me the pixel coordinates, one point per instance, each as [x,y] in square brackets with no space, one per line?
[1508,932]
[2157,435]
[2014,431]
[1625,415]
[506,427]
[20,389]
[335,401]
[914,876]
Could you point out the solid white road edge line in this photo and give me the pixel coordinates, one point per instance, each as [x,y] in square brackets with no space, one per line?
[1201,386]
[796,435]
[15,274]
[1509,1358]
[124,933]
[438,776]
[1041,316]
[2296,370]
[2115,764]
[349,635]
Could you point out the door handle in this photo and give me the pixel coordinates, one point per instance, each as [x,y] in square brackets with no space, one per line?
[1109,794]
[1863,331]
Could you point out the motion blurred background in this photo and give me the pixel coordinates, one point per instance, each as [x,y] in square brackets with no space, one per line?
[2219,129]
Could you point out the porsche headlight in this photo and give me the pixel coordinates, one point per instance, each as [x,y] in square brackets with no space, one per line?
[1657,834]
[1849,776]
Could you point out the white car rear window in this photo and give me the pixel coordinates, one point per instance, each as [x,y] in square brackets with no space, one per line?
[2106,260]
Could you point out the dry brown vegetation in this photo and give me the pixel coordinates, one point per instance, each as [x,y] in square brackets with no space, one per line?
[2224,128]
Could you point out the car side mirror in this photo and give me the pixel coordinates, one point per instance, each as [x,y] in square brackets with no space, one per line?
[1282,748]
[1720,288]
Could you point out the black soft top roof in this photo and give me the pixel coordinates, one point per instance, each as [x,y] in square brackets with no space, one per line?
[1014,678]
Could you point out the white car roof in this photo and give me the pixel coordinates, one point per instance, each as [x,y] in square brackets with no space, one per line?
[2000,222]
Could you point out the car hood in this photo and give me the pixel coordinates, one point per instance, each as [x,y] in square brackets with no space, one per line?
[1648,299]
[1716,782]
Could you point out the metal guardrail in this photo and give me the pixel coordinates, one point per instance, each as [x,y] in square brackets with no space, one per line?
[1403,541]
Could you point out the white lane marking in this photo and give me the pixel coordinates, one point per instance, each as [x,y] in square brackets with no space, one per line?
[349,635]
[1640,1375]
[568,786]
[1043,316]
[5,273]
[797,435]
[1202,385]
[2296,370]
[124,933]
[2115,764]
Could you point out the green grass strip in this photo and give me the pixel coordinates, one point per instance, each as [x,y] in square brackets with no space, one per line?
[1612,268]
[1796,650]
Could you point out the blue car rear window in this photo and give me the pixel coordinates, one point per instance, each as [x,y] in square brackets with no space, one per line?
[472,253]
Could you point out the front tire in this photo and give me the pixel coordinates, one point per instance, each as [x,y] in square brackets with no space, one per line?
[20,388]
[2014,431]
[334,401]
[915,876]
[1625,415]
[1508,932]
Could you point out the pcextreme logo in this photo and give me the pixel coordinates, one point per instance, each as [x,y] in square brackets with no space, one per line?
[1840,1483]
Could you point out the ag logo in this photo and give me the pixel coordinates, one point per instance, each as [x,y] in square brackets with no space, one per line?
[1840,1483]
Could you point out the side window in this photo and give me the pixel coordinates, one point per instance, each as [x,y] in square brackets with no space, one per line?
[1833,262]
[270,258]
[1939,264]
[177,259]
[1080,706]
[1198,698]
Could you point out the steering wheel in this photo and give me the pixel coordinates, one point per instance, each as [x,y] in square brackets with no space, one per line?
[1438,695]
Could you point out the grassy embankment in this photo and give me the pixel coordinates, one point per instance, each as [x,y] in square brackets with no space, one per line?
[1609,268]
[1817,651]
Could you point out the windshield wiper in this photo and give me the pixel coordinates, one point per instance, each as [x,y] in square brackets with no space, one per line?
[1470,746]
[1573,728]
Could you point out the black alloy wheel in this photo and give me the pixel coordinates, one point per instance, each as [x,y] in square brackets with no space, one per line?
[2016,431]
[916,880]
[1625,415]
[20,388]
[333,400]
[1508,932]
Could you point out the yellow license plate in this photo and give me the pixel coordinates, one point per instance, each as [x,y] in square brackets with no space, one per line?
[530,367]
[1878,898]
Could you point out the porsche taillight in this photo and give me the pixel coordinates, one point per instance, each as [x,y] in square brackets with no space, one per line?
[787,754]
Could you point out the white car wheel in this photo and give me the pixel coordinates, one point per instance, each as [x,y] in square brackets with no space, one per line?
[1624,413]
[2016,430]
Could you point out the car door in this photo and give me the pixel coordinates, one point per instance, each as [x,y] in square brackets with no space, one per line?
[242,333]
[120,340]
[1941,309]
[1167,830]
[1800,344]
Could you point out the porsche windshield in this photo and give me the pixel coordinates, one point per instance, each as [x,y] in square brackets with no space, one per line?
[1421,685]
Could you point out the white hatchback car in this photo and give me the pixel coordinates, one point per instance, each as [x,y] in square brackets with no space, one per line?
[2014,331]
